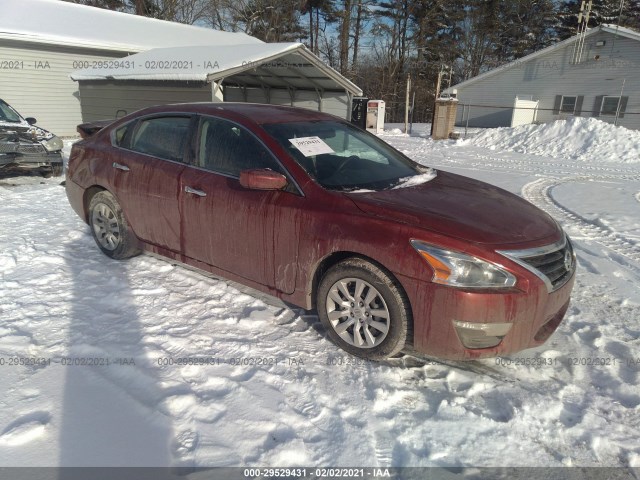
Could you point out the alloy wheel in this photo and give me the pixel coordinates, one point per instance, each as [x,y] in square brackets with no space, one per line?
[358,313]
[105,227]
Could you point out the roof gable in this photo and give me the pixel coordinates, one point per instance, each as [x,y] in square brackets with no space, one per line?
[612,29]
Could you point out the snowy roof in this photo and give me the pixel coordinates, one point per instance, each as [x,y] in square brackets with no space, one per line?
[271,65]
[64,23]
[613,29]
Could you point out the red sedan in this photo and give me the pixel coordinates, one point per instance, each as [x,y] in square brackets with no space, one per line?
[305,206]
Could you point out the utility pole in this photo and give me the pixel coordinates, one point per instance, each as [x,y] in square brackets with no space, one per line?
[620,102]
[438,85]
[406,105]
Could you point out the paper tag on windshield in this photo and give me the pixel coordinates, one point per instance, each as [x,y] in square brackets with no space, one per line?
[310,146]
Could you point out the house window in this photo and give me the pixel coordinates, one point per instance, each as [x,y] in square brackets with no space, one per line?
[568,104]
[609,105]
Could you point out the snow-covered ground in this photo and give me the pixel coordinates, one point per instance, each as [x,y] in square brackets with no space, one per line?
[275,392]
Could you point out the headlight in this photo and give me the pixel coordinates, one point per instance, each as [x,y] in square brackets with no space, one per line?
[53,144]
[458,269]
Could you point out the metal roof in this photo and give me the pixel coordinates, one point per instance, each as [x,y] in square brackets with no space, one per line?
[56,22]
[266,65]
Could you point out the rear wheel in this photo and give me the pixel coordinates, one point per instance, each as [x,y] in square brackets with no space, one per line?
[110,228]
[364,310]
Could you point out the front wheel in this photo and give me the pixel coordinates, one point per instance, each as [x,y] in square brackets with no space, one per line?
[364,310]
[110,228]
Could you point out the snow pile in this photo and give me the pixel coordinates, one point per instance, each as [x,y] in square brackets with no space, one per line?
[394,132]
[586,139]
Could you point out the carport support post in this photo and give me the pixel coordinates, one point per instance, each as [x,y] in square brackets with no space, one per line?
[216,87]
[349,104]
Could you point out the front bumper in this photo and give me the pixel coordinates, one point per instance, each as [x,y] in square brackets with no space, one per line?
[443,317]
[30,160]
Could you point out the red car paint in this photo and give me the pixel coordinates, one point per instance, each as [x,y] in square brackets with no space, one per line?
[279,242]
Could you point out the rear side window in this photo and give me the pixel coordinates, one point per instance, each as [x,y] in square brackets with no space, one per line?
[162,137]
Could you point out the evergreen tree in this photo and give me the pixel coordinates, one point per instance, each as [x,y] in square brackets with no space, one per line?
[602,12]
[526,26]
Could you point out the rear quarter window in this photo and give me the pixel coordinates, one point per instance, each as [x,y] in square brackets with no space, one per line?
[120,134]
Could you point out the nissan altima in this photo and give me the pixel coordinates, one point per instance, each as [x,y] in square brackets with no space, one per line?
[306,207]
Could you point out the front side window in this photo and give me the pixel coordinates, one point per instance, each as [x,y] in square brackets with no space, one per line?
[340,156]
[162,137]
[609,105]
[568,104]
[227,148]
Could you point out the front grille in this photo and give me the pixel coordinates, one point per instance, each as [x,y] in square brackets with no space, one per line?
[34,148]
[554,264]
[7,147]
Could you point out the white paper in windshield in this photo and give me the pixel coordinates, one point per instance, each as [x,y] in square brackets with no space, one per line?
[310,146]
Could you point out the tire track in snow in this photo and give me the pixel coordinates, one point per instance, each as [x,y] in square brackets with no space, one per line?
[539,192]
[522,165]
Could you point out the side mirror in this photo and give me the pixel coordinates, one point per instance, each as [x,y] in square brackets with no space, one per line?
[31,120]
[262,179]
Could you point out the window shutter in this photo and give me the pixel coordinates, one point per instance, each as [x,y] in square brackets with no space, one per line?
[578,110]
[623,106]
[557,105]
[597,105]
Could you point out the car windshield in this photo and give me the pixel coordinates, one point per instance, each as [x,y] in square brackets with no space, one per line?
[8,114]
[340,156]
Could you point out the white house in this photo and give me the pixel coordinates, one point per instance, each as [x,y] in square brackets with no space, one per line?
[600,79]
[43,41]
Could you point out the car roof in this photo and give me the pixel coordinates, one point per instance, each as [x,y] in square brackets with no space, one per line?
[255,112]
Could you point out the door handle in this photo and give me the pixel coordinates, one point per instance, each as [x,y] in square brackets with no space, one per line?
[200,193]
[120,166]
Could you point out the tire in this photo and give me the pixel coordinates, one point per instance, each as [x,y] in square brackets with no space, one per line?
[357,293]
[57,169]
[110,228]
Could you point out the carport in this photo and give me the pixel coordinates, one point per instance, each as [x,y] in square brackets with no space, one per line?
[274,73]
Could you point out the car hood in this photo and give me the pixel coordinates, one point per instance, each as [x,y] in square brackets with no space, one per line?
[12,131]
[460,207]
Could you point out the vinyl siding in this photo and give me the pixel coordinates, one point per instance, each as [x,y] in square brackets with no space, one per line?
[552,74]
[48,94]
[335,103]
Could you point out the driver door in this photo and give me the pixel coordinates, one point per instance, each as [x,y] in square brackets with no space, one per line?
[224,224]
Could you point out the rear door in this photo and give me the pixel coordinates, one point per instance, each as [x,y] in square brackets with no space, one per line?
[224,224]
[146,176]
